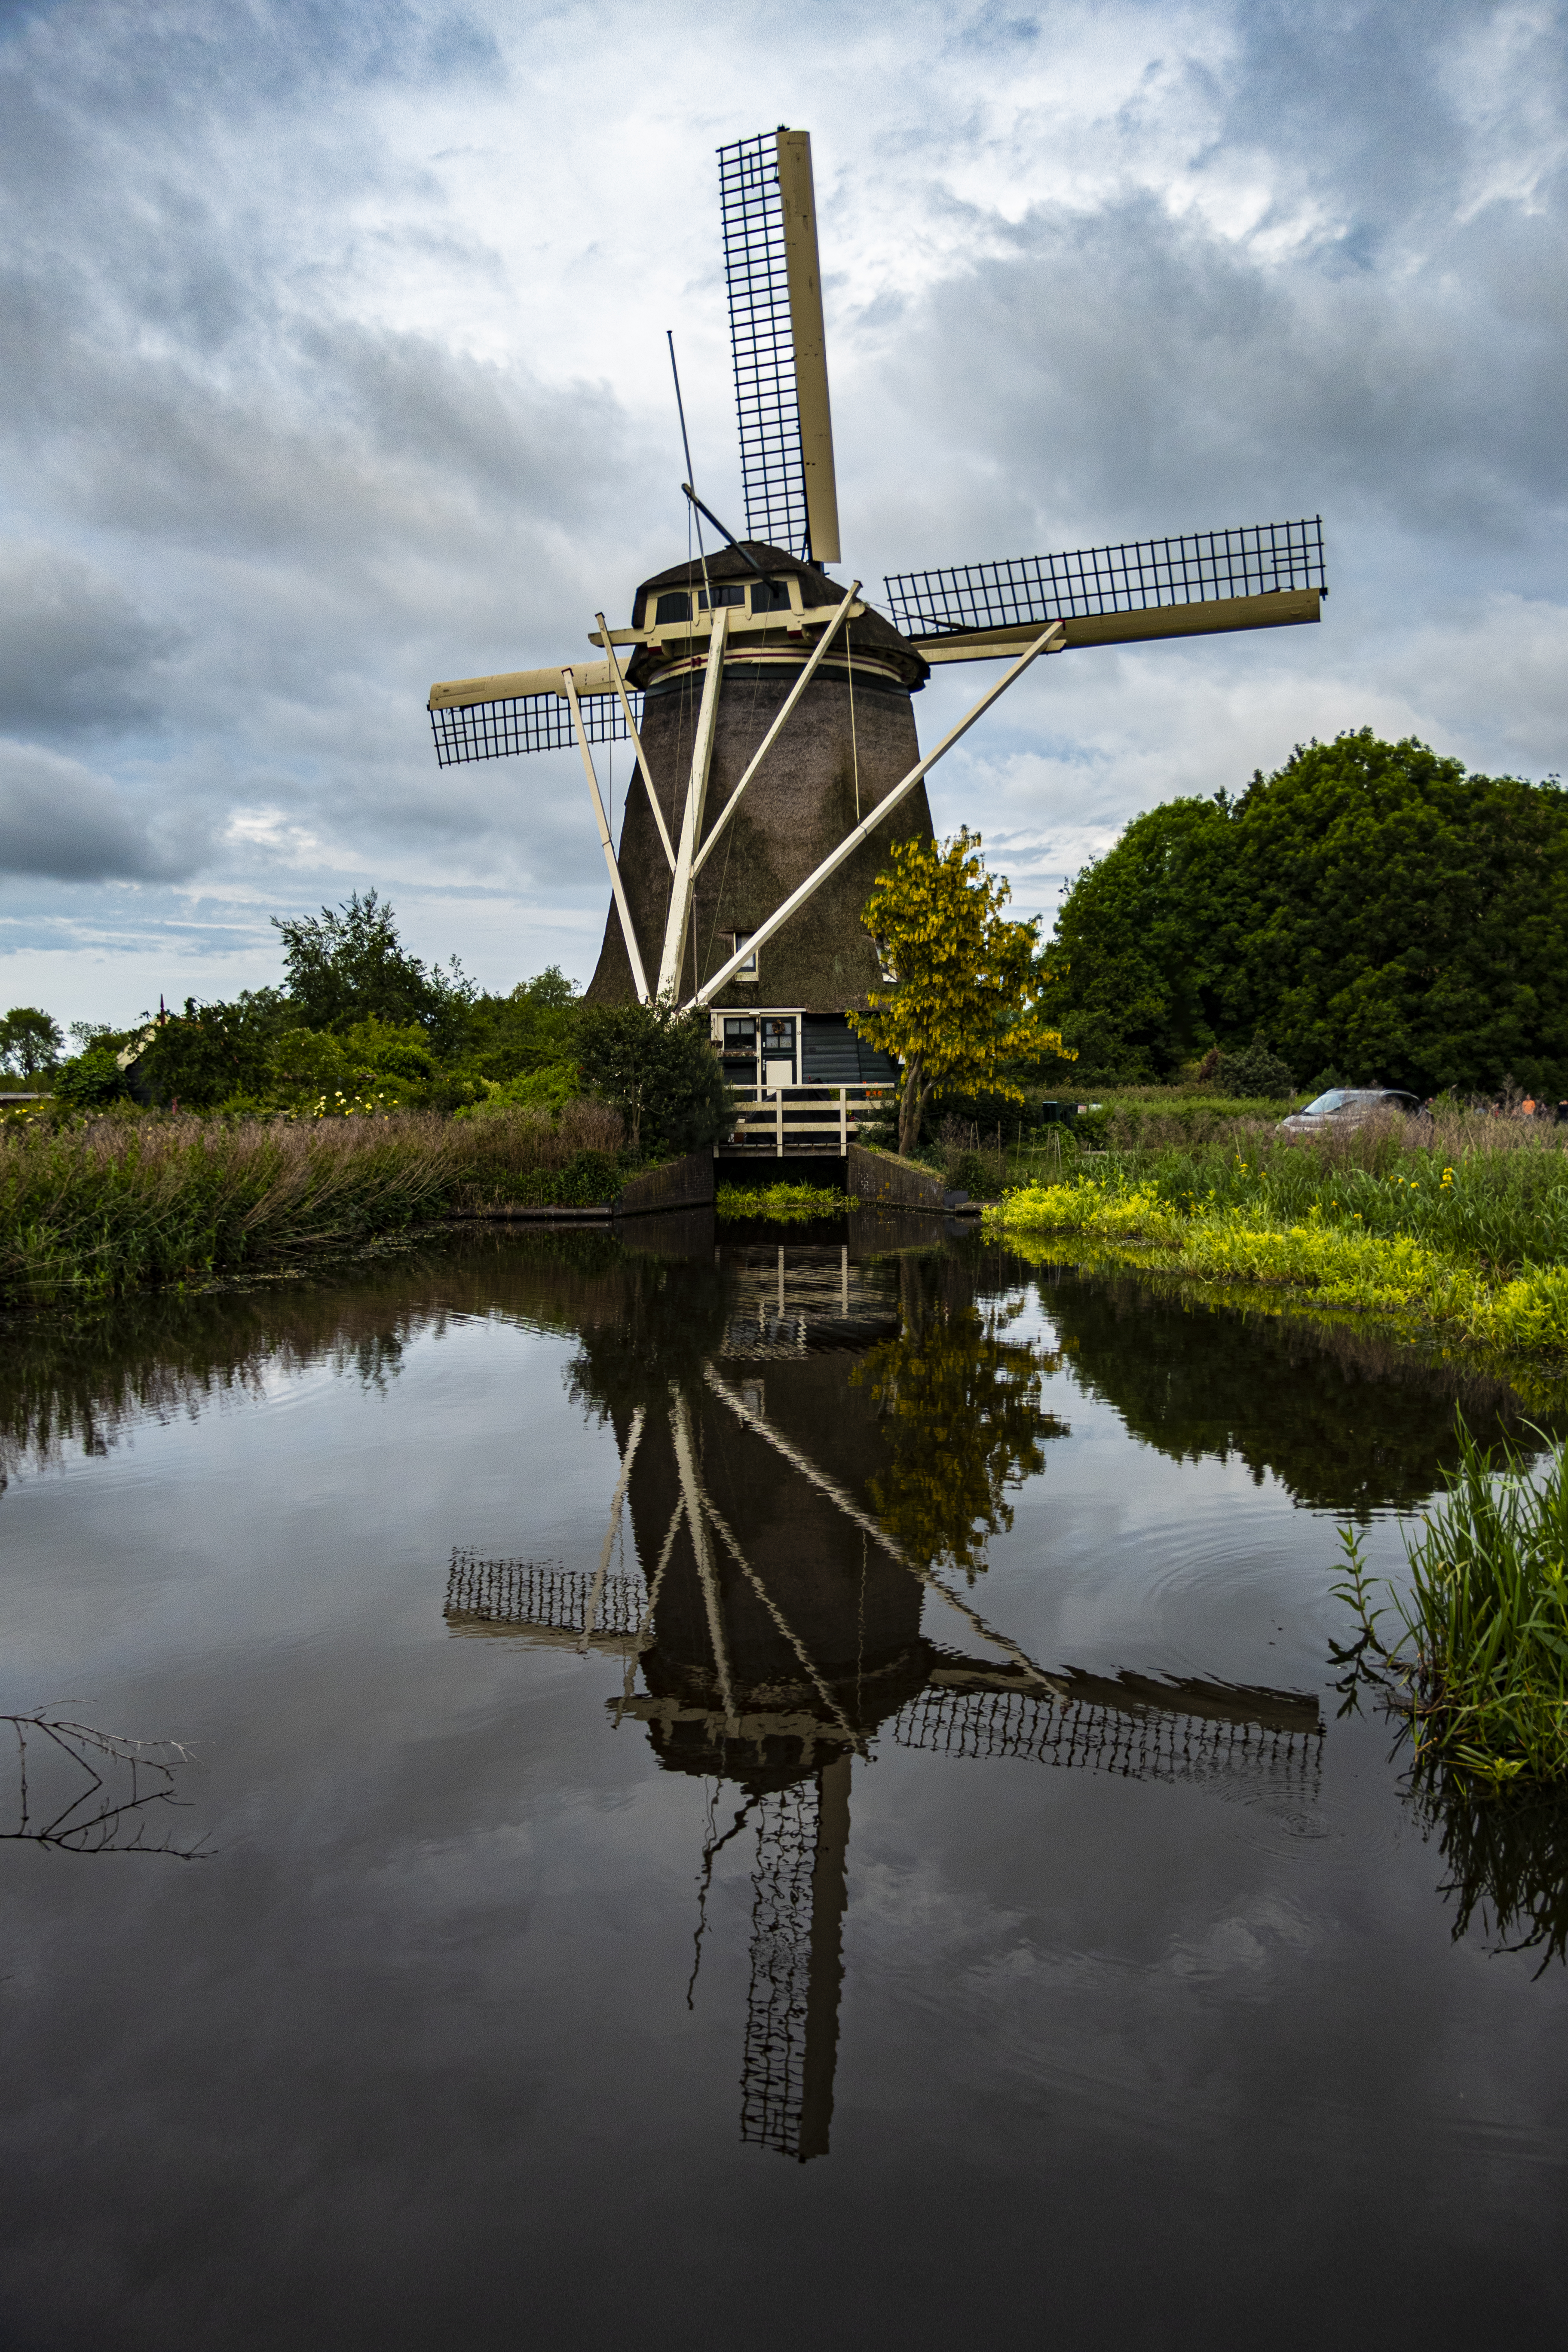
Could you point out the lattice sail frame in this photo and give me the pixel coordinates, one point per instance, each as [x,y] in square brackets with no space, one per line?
[1088,1734]
[772,2065]
[1197,567]
[541,1596]
[761,336]
[527,722]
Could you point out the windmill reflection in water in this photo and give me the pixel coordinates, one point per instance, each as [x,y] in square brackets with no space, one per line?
[776,1625]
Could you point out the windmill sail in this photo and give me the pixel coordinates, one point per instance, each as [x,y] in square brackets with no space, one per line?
[770,267]
[1094,583]
[495,725]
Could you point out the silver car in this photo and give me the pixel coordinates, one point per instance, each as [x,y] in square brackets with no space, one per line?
[1344,1107]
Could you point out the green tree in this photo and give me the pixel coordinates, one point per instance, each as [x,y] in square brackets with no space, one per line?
[961,1009]
[347,964]
[1370,907]
[658,1068]
[29,1040]
[533,1029]
[199,1057]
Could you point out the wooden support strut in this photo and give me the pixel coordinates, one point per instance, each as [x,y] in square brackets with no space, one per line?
[615,669]
[596,1591]
[1050,640]
[634,953]
[771,738]
[681,889]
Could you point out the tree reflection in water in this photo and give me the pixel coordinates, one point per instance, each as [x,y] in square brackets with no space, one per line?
[81,1791]
[959,1406]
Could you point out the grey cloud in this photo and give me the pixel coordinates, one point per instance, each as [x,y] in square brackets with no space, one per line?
[1135,365]
[57,818]
[74,651]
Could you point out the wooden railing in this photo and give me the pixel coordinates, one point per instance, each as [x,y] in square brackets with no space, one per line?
[773,1120]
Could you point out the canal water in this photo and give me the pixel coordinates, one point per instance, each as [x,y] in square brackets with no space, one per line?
[782,1788]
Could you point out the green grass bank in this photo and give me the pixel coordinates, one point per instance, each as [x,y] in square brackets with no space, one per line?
[1463,1223]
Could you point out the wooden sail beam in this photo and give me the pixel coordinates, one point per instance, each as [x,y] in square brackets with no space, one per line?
[596,1591]
[1281,608]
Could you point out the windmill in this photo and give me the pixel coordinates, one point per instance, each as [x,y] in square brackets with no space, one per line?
[770,707]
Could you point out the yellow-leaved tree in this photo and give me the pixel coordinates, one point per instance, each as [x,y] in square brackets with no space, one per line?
[964,984]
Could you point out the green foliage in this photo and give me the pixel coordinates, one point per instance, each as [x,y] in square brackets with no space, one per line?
[963,1009]
[29,1040]
[1483,1654]
[91,1080]
[657,1067]
[533,1028]
[1371,908]
[550,1088]
[1468,1229]
[780,1204]
[1256,1071]
[346,965]
[207,1053]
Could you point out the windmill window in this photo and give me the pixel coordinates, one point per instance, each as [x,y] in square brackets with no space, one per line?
[747,971]
[676,608]
[721,595]
[770,596]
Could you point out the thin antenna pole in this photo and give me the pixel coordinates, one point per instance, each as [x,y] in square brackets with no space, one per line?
[691,475]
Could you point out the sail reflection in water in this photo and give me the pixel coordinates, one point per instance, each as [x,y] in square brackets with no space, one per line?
[805,1467]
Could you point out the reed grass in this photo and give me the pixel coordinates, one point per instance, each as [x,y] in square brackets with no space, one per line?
[1482,1655]
[98,1208]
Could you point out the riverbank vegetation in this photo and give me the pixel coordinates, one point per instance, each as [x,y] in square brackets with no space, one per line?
[1462,1220]
[1480,1666]
[104,1205]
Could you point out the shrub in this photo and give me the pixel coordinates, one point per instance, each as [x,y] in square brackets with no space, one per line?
[656,1068]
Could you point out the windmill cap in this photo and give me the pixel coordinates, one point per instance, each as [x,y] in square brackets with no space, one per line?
[872,634]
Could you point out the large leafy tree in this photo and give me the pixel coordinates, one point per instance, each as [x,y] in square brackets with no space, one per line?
[347,964]
[961,1007]
[29,1039]
[1370,908]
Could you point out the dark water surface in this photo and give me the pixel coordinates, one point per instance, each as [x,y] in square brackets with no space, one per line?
[907,1876]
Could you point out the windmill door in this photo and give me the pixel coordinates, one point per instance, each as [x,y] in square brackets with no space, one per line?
[778,1049]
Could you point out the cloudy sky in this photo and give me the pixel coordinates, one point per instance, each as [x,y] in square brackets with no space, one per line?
[333,363]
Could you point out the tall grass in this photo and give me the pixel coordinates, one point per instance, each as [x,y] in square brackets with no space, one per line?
[1465,1222]
[1483,1651]
[121,1203]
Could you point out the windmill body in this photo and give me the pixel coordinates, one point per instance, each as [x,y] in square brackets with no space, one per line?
[851,738]
[770,707]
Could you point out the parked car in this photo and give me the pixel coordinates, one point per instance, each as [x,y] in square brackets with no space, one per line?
[1349,1107]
